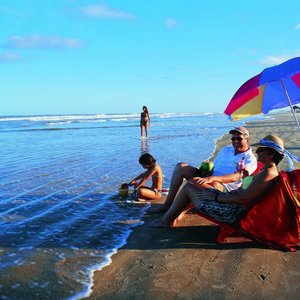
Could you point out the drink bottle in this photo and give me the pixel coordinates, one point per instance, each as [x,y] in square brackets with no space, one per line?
[240,165]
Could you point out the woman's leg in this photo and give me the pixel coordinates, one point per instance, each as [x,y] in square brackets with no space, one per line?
[146,129]
[147,194]
[142,130]
[181,171]
[183,199]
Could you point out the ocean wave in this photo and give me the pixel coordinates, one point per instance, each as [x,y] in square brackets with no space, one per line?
[75,121]
[93,121]
[118,120]
[58,118]
[183,114]
[65,128]
[93,117]
[59,123]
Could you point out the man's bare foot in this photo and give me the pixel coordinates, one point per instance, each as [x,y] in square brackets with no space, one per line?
[161,224]
[157,209]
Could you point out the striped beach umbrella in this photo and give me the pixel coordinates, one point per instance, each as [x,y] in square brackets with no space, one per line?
[275,87]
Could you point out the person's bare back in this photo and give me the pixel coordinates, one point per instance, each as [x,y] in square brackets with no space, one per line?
[157,178]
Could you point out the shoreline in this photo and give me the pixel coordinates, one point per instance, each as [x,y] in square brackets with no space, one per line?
[186,262]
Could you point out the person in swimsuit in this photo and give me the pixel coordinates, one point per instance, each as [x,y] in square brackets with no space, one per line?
[145,121]
[229,207]
[153,170]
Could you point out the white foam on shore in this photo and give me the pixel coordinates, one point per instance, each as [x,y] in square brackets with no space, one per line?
[88,288]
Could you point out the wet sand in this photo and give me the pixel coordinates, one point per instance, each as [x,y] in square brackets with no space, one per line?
[185,262]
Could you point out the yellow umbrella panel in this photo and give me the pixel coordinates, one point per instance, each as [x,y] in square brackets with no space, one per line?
[250,108]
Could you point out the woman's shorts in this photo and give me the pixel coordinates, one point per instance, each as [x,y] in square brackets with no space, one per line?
[222,212]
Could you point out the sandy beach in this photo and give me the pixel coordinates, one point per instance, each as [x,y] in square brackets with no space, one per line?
[185,262]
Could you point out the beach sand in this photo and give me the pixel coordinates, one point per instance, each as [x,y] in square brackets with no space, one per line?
[185,262]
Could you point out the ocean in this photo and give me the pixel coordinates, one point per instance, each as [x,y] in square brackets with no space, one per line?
[60,213]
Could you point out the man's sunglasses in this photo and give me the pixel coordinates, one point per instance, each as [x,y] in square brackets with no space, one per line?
[236,138]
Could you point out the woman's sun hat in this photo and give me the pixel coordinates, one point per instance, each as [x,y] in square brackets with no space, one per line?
[272,141]
[276,143]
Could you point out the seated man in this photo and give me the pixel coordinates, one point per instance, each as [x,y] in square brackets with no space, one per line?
[225,177]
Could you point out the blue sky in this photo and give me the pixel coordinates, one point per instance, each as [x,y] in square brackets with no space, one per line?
[91,56]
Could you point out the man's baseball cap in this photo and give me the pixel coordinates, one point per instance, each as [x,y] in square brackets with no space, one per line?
[240,129]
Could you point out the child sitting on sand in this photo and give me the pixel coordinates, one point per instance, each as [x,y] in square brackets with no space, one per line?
[141,191]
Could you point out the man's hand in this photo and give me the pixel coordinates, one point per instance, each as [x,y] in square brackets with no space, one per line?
[198,181]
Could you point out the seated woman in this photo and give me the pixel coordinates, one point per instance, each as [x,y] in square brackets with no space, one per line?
[228,208]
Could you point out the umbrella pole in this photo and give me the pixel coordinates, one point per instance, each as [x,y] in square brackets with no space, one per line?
[290,102]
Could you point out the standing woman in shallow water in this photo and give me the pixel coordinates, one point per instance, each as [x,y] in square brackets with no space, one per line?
[145,121]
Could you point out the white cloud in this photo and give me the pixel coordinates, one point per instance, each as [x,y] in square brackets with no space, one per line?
[36,41]
[104,11]
[10,58]
[276,60]
[297,26]
[171,23]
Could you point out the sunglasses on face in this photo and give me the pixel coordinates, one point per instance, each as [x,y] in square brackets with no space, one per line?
[237,138]
[261,149]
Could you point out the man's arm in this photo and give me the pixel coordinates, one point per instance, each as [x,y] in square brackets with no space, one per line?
[221,179]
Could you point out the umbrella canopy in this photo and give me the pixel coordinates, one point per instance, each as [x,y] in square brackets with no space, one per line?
[275,87]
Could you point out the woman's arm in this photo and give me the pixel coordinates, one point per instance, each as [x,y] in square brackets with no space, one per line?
[260,182]
[137,178]
[148,174]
